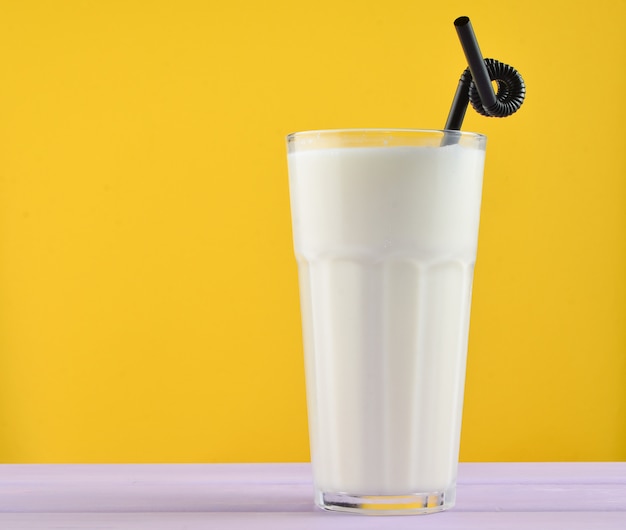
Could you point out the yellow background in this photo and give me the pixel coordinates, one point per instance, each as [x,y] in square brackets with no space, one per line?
[148,294]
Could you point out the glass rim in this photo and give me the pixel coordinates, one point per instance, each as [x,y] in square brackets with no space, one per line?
[383,130]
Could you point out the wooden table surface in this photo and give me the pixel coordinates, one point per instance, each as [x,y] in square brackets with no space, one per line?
[538,496]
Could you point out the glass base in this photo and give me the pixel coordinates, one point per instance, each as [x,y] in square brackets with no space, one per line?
[410,504]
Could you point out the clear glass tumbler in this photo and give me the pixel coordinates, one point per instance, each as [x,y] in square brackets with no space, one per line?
[385,229]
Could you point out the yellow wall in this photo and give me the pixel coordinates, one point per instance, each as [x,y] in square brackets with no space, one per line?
[148,293]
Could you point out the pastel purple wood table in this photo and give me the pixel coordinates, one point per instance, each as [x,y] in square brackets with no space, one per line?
[542,496]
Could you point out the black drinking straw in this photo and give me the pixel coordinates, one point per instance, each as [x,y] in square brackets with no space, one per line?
[475,82]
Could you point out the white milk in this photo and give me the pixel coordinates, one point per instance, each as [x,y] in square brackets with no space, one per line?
[385,239]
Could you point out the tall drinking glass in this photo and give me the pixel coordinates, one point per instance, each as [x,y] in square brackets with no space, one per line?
[385,228]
